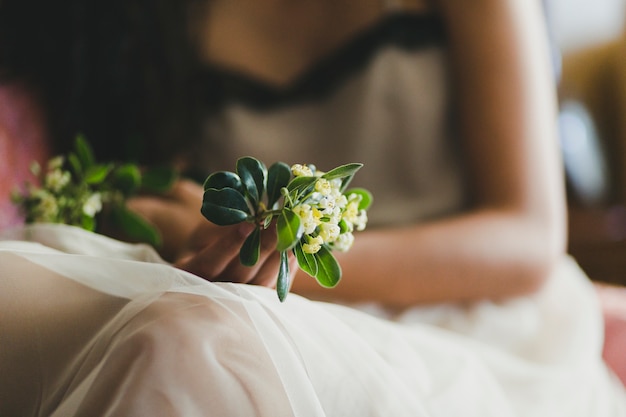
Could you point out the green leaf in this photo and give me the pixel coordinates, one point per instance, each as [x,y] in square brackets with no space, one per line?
[224,179]
[127,178]
[366,197]
[329,271]
[278,177]
[135,226]
[289,230]
[306,261]
[88,223]
[300,185]
[343,226]
[159,179]
[342,171]
[96,174]
[284,282]
[253,175]
[77,167]
[224,207]
[84,152]
[251,248]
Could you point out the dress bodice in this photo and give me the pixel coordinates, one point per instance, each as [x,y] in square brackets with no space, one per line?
[382,99]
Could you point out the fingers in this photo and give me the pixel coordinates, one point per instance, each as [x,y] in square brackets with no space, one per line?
[214,255]
[214,252]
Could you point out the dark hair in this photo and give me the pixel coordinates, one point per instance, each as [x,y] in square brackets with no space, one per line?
[119,71]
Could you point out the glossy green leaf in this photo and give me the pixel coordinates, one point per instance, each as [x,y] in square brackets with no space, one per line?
[306,261]
[224,179]
[251,248]
[329,271]
[278,176]
[289,230]
[342,171]
[253,176]
[158,179]
[84,152]
[224,207]
[300,185]
[96,174]
[135,227]
[366,197]
[283,283]
[127,178]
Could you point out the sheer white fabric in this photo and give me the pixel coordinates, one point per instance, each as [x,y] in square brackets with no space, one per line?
[90,326]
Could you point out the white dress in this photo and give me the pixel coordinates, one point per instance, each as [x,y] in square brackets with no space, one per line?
[90,326]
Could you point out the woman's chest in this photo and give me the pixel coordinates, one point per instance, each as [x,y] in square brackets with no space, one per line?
[275,41]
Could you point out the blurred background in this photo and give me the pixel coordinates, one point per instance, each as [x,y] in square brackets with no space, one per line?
[580,24]
[590,58]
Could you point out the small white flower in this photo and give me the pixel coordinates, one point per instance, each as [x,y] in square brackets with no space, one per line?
[56,163]
[329,232]
[323,186]
[57,179]
[307,217]
[326,205]
[344,242]
[341,201]
[361,220]
[47,207]
[299,170]
[35,169]
[93,205]
[351,212]
[313,246]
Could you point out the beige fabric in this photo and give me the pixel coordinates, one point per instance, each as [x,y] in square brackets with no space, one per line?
[392,117]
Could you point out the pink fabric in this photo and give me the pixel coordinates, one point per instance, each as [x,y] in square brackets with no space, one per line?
[22,140]
[613,301]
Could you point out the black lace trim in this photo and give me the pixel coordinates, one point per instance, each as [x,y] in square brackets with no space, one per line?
[409,32]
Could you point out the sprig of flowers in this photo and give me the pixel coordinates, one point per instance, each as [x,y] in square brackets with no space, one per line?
[314,212]
[74,189]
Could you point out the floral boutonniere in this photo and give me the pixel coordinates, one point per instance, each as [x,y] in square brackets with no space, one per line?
[314,212]
[75,189]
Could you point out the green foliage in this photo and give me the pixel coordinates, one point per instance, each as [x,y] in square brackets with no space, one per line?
[288,229]
[79,191]
[283,282]
[225,206]
[312,214]
[251,249]
[134,226]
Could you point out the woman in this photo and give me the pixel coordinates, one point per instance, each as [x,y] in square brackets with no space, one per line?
[502,338]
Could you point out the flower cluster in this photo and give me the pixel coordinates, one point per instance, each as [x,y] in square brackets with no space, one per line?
[76,190]
[314,213]
[328,216]
[60,199]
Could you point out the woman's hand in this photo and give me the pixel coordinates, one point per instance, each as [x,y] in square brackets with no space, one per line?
[201,247]
[175,214]
[213,253]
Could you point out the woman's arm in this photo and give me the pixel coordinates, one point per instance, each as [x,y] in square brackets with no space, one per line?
[510,242]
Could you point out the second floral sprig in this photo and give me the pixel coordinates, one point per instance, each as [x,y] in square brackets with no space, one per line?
[314,212]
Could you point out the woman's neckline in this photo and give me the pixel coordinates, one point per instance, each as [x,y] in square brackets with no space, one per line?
[428,32]
[404,30]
